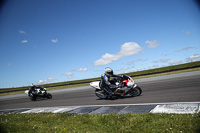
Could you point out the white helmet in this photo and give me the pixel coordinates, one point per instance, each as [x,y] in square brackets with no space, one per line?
[108,71]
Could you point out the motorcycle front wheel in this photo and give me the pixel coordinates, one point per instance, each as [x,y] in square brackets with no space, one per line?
[49,96]
[135,91]
[101,94]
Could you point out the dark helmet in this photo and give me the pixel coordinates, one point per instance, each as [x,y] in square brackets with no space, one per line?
[108,71]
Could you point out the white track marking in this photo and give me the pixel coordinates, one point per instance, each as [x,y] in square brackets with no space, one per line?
[184,108]
[172,107]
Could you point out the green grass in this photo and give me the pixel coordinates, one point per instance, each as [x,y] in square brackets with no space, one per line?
[150,73]
[64,122]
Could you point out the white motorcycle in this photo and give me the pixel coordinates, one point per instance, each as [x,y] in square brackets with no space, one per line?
[127,83]
[38,92]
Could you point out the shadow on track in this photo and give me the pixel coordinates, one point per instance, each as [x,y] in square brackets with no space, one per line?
[118,97]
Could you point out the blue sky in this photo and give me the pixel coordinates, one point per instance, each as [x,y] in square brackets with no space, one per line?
[45,41]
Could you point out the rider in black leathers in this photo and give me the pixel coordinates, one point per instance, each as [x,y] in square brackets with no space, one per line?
[105,81]
[32,89]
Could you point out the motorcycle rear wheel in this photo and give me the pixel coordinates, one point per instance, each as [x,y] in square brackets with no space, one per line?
[135,91]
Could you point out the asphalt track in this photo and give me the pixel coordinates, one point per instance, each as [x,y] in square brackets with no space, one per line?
[163,89]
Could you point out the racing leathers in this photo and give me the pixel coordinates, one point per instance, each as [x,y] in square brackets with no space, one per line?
[32,89]
[106,85]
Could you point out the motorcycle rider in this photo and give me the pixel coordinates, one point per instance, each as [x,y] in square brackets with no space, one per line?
[32,88]
[105,81]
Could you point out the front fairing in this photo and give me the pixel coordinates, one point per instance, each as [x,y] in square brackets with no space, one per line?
[26,92]
[95,84]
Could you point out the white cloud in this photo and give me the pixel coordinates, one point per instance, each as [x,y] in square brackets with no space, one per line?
[22,32]
[138,69]
[187,32]
[46,80]
[127,49]
[154,61]
[176,50]
[164,60]
[24,41]
[124,68]
[152,44]
[69,74]
[82,70]
[185,48]
[9,64]
[195,57]
[106,59]
[54,40]
[176,62]
[155,66]
[133,61]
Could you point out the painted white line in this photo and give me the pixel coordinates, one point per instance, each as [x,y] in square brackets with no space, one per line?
[199,109]
[184,108]
[58,110]
[172,107]
[61,110]
[51,109]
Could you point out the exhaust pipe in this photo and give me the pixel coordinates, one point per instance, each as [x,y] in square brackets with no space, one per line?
[99,93]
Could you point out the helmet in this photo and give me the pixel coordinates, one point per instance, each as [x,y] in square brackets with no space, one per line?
[108,71]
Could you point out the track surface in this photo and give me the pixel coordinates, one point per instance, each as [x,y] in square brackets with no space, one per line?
[184,88]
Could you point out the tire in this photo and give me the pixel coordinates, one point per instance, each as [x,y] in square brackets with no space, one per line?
[49,96]
[33,98]
[103,95]
[135,91]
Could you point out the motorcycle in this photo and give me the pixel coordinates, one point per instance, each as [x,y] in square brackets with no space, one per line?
[38,92]
[127,83]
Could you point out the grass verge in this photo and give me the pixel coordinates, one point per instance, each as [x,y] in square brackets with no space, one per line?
[64,122]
